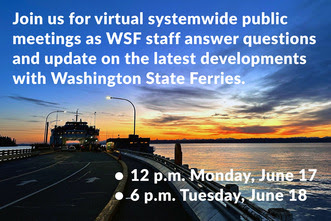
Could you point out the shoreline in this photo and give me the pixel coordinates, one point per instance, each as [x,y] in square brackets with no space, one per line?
[249,140]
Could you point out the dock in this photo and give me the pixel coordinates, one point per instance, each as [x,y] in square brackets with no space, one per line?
[82,185]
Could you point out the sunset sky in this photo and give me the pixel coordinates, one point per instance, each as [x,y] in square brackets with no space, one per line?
[275,101]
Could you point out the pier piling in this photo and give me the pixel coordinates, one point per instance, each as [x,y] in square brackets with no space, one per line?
[178,154]
[232,187]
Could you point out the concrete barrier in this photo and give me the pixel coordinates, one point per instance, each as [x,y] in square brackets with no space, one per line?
[112,206]
[281,214]
[242,210]
[198,210]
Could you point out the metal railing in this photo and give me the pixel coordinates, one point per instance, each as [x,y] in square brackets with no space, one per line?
[246,210]
[6,155]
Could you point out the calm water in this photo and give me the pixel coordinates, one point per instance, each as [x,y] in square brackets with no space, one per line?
[271,157]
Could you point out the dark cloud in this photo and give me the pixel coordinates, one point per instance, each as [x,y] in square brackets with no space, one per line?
[249,129]
[293,85]
[33,121]
[238,114]
[219,115]
[310,82]
[168,118]
[34,101]
[324,114]
[302,123]
[184,123]
[316,118]
[178,99]
[36,116]
[257,108]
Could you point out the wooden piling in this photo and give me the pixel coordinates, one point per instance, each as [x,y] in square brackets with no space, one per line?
[178,154]
[232,187]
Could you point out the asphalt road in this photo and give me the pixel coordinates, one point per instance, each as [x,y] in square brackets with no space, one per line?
[59,186]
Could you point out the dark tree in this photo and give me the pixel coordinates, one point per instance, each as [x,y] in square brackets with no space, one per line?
[7,141]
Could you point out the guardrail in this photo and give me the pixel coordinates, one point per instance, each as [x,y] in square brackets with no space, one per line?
[6,155]
[246,210]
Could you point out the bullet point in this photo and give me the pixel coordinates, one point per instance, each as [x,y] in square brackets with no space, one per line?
[119,176]
[119,195]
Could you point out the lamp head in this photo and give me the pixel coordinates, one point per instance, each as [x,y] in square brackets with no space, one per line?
[108,97]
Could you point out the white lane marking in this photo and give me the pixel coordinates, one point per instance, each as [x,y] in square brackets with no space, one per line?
[45,188]
[75,180]
[10,178]
[26,182]
[92,179]
[84,175]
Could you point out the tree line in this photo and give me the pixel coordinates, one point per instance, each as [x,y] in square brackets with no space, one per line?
[7,141]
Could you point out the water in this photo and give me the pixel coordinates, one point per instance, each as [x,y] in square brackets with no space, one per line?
[15,148]
[287,157]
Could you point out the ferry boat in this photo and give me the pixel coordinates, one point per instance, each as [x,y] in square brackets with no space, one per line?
[133,142]
[87,136]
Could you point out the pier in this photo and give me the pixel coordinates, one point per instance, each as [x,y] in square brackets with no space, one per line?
[124,182]
[82,185]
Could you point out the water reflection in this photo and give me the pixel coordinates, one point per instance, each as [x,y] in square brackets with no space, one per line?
[271,157]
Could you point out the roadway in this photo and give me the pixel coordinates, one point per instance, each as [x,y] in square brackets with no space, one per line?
[59,186]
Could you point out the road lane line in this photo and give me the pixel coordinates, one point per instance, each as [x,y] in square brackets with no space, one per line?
[84,175]
[92,179]
[10,178]
[26,182]
[45,188]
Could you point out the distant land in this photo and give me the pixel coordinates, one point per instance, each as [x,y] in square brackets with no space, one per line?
[249,140]
[233,140]
[7,141]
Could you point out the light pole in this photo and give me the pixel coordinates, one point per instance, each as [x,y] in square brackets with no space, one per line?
[134,110]
[46,124]
[95,116]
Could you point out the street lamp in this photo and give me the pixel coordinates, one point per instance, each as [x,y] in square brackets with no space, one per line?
[46,124]
[134,110]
